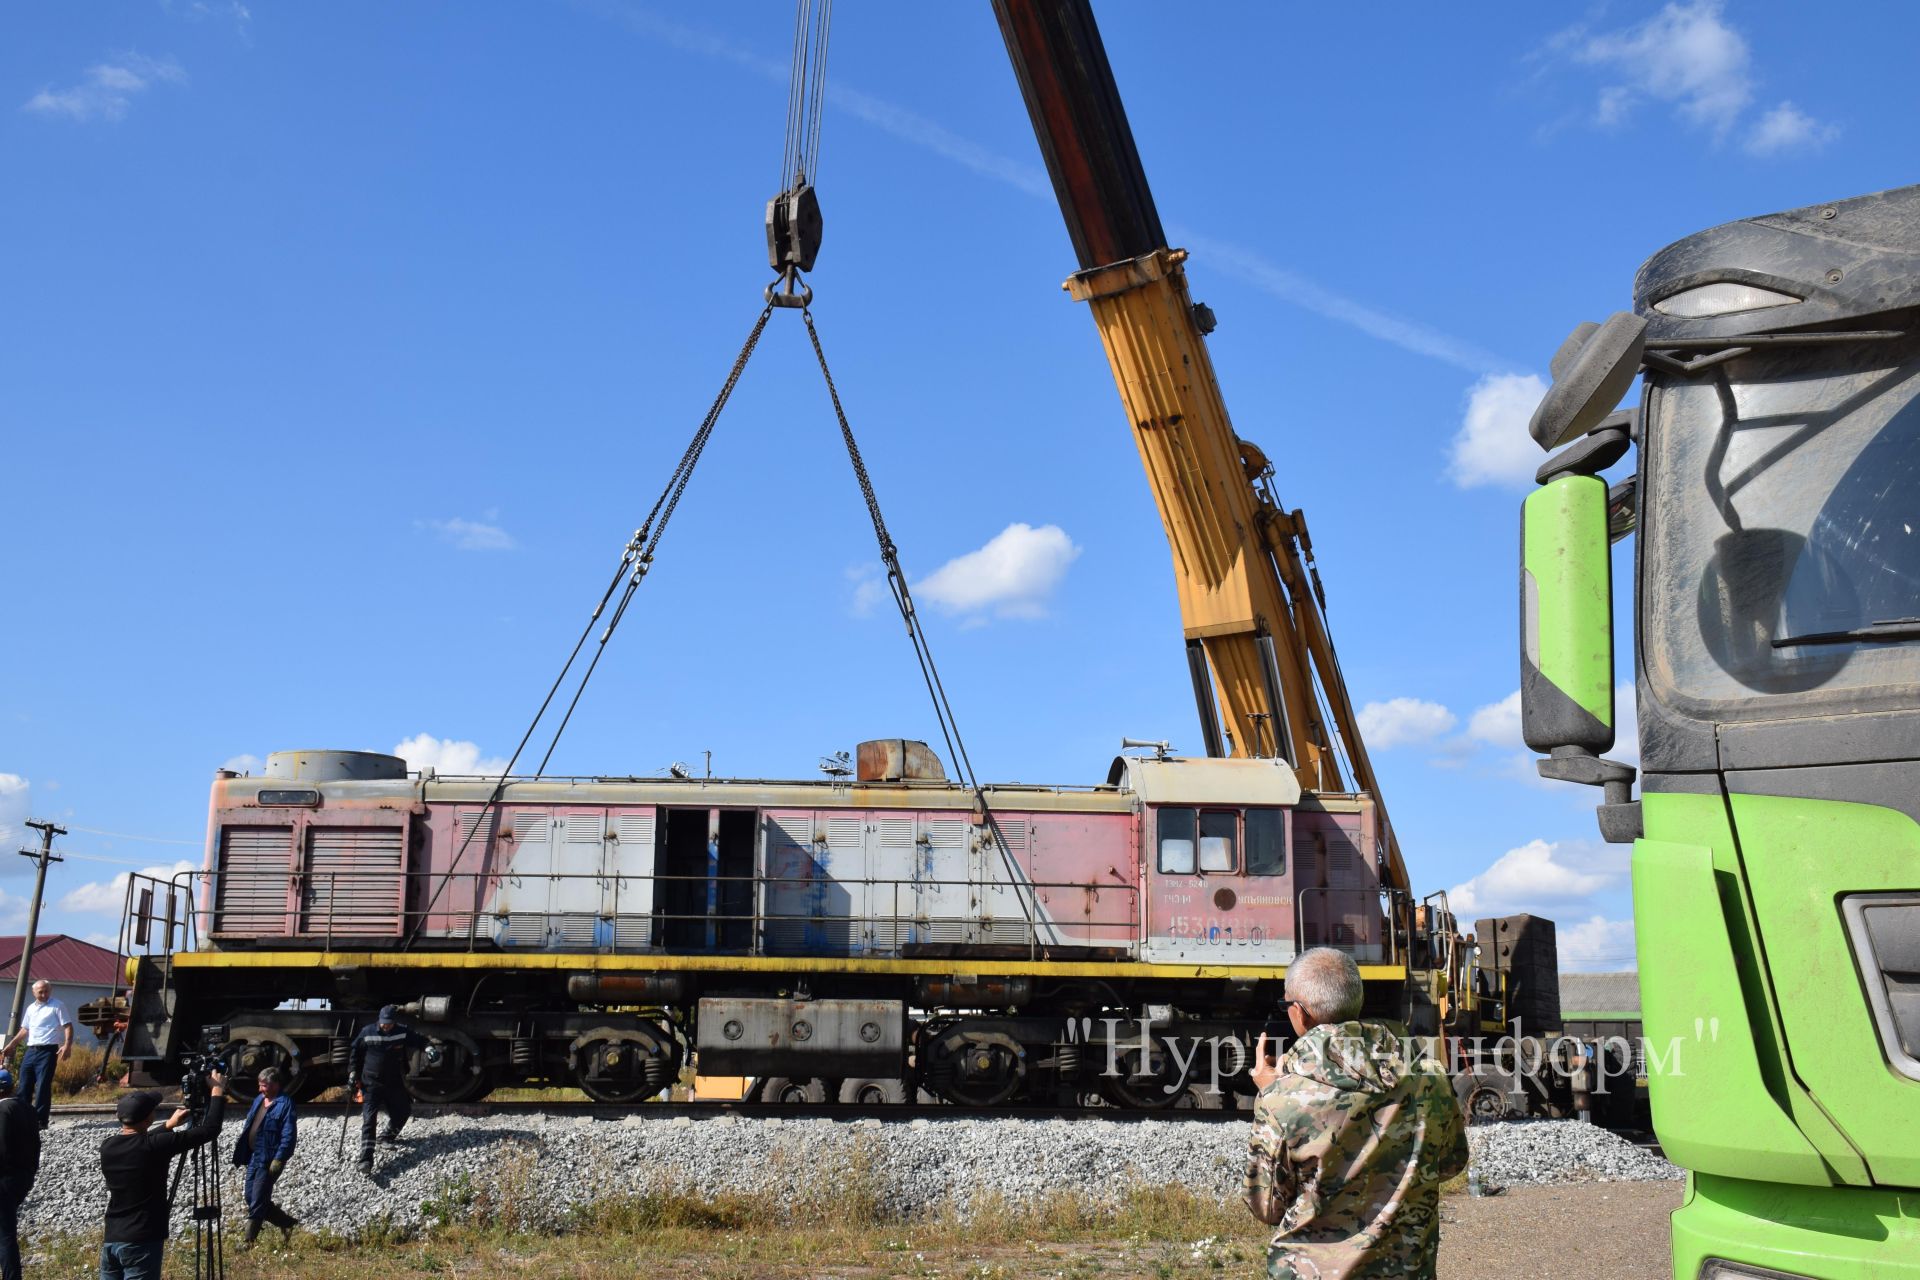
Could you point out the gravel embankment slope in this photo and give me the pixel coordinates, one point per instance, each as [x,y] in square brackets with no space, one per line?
[543,1165]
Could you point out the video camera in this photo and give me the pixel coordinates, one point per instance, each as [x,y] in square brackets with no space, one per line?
[197,1065]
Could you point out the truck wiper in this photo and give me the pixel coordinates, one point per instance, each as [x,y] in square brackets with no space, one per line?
[1884,629]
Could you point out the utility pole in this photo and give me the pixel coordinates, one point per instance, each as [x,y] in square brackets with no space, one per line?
[41,857]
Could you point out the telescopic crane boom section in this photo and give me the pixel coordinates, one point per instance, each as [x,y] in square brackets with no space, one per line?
[1248,597]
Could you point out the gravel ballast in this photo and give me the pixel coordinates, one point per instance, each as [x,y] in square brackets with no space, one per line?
[537,1168]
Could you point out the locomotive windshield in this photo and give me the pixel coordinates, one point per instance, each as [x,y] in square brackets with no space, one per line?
[1782,528]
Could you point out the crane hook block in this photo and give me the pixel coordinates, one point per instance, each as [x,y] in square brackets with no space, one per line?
[793,229]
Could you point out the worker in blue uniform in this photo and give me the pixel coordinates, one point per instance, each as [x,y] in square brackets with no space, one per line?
[377,1066]
[265,1145]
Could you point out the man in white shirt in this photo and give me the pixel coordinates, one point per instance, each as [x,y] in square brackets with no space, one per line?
[48,1032]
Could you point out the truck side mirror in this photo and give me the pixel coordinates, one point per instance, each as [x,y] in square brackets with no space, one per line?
[1566,643]
[1566,617]
[1593,369]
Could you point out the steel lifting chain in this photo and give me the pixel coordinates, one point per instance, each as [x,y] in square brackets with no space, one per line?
[636,559]
[903,600]
[646,539]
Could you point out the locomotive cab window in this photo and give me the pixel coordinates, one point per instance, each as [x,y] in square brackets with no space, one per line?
[1197,841]
[1217,834]
[1176,841]
[1266,842]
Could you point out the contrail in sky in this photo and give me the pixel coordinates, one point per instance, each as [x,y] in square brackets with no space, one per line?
[917,130]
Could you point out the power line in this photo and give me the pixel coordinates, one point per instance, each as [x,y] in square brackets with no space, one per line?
[122,835]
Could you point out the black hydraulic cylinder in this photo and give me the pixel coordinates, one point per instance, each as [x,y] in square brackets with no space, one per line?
[1082,128]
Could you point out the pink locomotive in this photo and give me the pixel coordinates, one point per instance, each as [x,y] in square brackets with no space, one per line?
[870,934]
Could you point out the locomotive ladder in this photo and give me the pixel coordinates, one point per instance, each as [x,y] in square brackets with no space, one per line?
[793,233]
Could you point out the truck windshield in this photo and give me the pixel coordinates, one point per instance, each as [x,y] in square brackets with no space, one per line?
[1782,531]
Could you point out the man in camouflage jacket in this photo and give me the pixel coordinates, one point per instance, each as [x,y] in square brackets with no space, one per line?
[1351,1141]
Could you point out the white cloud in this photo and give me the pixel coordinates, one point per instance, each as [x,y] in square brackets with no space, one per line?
[107,89]
[246,762]
[13,807]
[1403,720]
[1596,944]
[1498,723]
[1012,575]
[469,535]
[1521,879]
[1788,128]
[869,585]
[111,895]
[1684,55]
[1492,445]
[447,755]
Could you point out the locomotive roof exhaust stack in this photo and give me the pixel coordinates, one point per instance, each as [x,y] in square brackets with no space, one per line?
[897,760]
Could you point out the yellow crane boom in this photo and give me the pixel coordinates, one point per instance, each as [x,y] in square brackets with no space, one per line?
[1250,601]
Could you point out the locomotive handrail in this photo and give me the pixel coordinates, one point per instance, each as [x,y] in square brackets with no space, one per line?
[313,908]
[330,907]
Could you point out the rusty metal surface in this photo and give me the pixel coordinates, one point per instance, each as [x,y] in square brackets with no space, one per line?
[897,760]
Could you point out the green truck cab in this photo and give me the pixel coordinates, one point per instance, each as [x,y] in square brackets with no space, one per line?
[1775,507]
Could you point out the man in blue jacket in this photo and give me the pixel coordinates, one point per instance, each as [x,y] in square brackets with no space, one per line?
[266,1142]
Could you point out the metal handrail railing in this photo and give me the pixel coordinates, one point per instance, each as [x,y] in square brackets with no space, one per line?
[330,906]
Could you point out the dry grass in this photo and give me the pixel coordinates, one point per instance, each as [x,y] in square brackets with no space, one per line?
[492,1232]
[1165,1233]
[499,1226]
[73,1077]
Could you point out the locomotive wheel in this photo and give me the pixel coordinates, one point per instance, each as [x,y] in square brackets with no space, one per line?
[458,1077]
[873,1093]
[608,1091]
[1488,1095]
[792,1091]
[1196,1098]
[975,1068]
[1153,1085]
[254,1049]
[624,1064]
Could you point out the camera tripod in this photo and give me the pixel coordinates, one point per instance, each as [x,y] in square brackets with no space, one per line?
[209,1238]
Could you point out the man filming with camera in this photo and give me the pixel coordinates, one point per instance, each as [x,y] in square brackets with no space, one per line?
[135,1164]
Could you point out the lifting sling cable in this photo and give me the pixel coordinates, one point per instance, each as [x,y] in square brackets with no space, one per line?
[793,239]
[806,93]
[805,96]
[635,561]
[936,690]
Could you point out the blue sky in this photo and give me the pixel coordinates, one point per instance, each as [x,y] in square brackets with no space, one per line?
[344,346]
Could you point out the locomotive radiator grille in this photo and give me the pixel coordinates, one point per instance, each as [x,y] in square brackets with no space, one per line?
[251,897]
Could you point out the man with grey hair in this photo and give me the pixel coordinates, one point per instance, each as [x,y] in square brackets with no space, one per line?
[48,1031]
[1351,1140]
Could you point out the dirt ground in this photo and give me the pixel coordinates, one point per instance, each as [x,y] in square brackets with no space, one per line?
[1614,1229]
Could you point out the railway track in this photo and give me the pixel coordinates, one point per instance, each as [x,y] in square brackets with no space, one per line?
[893,1114]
